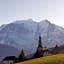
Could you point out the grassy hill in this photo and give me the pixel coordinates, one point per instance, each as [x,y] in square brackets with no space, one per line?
[52,59]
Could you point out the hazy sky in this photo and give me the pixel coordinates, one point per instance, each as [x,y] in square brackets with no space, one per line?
[11,10]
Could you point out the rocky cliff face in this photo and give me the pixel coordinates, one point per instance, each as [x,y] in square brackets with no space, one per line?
[6,50]
[24,34]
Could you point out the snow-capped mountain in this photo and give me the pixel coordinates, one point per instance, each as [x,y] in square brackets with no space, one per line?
[24,34]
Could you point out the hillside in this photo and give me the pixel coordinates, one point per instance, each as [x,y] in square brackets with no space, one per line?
[52,59]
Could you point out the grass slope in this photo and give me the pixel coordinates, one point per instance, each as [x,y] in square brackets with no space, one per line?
[52,59]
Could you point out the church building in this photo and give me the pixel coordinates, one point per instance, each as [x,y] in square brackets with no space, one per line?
[40,52]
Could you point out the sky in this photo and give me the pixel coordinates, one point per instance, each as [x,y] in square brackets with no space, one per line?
[12,10]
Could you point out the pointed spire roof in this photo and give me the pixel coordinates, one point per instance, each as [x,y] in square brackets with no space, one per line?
[40,42]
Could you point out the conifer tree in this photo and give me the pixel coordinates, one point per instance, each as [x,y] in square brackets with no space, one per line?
[56,46]
[21,57]
[55,49]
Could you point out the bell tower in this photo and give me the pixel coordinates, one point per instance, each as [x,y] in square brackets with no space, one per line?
[39,51]
[40,42]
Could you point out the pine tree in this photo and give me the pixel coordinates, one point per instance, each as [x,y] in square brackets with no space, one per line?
[56,46]
[55,49]
[39,51]
[21,57]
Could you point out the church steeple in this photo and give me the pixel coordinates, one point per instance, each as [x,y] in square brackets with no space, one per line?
[39,51]
[40,42]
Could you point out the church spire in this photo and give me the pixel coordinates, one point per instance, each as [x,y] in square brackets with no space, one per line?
[40,42]
[39,51]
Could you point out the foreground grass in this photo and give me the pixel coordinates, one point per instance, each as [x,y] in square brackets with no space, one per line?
[52,59]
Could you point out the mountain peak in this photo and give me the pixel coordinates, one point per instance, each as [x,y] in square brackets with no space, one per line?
[30,19]
[22,21]
[46,21]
